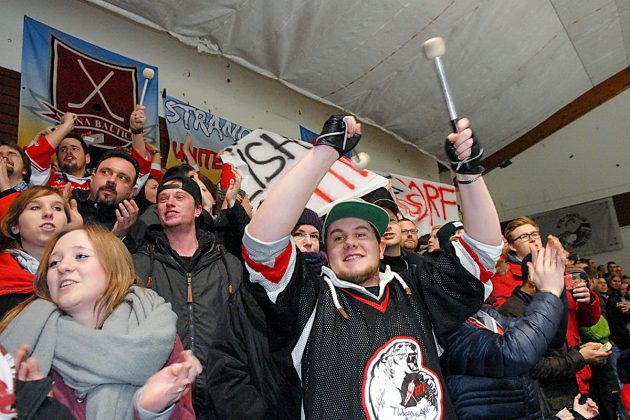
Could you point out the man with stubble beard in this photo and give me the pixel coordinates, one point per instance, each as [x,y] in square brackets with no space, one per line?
[109,201]
[365,343]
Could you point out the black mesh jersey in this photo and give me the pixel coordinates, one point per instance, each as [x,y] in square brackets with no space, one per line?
[381,362]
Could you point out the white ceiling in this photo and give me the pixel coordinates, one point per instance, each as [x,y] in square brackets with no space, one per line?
[510,63]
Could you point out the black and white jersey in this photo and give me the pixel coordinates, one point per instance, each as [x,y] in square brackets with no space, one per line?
[381,362]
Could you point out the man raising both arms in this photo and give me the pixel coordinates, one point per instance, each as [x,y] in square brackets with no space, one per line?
[365,343]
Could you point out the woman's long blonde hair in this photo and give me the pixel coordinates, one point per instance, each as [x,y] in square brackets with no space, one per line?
[113,256]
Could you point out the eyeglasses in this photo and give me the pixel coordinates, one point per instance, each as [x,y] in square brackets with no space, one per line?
[303,235]
[408,231]
[527,237]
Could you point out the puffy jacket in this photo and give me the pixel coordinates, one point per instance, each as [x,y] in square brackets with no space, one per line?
[198,296]
[487,372]
[556,371]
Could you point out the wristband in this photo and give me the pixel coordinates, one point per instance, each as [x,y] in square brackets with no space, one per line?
[137,130]
[468,181]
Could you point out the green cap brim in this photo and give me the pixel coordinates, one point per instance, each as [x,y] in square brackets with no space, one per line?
[359,209]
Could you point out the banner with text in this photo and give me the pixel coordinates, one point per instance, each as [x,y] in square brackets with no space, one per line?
[427,203]
[263,157]
[588,228]
[210,134]
[61,73]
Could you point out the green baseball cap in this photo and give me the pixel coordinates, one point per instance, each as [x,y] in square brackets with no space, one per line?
[360,209]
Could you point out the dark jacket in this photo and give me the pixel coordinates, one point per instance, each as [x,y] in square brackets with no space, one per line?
[245,380]
[488,373]
[617,321]
[404,262]
[228,228]
[198,296]
[92,212]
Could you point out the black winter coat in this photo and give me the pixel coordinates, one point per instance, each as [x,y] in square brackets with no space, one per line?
[198,297]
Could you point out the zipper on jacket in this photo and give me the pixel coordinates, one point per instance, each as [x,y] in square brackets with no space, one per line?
[189,298]
[191,312]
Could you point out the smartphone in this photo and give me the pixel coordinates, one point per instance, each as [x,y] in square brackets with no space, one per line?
[606,347]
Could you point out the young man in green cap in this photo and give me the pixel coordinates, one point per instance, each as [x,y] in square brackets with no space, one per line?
[365,343]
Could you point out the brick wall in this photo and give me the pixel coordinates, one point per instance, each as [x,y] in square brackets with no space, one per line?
[9,108]
[9,102]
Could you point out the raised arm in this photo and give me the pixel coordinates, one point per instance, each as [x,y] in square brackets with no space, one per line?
[481,221]
[137,119]
[65,127]
[190,159]
[278,214]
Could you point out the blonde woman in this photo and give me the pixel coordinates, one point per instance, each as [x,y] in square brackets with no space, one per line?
[109,346]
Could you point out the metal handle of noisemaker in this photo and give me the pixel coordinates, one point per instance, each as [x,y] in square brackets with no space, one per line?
[446,93]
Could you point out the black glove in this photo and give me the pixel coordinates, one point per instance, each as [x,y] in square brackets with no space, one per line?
[334,135]
[470,165]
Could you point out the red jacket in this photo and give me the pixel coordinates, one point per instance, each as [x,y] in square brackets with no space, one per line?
[503,284]
[13,278]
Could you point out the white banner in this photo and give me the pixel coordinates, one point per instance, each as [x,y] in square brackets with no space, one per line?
[209,133]
[588,228]
[427,203]
[263,157]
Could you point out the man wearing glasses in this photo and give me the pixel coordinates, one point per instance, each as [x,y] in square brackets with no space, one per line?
[394,255]
[520,233]
[409,235]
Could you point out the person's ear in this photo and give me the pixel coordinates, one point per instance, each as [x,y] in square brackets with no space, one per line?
[88,158]
[381,246]
[15,229]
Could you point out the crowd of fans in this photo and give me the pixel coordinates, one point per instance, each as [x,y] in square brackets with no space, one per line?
[128,290]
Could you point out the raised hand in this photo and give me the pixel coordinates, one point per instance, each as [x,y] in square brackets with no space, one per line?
[26,368]
[187,143]
[463,150]
[137,119]
[233,188]
[594,353]
[341,133]
[547,267]
[126,215]
[588,410]
[5,182]
[167,386]
[67,121]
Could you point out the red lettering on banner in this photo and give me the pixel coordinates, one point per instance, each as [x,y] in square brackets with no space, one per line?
[363,172]
[424,201]
[416,208]
[217,163]
[444,201]
[343,180]
[431,193]
[319,193]
[178,154]
[205,158]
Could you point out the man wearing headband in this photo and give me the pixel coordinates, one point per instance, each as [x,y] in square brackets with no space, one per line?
[365,343]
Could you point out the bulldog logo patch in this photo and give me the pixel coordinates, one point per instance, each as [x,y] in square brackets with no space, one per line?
[396,384]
